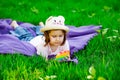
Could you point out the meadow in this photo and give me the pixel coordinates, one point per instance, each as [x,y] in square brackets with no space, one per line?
[99,60]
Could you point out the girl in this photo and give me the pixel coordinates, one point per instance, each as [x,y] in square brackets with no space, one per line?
[54,39]
[52,42]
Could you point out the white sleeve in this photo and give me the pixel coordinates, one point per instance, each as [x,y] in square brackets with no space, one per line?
[38,42]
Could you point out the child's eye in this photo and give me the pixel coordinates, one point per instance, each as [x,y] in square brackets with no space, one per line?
[61,36]
[53,36]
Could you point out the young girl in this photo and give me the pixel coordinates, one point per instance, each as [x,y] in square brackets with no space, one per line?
[54,39]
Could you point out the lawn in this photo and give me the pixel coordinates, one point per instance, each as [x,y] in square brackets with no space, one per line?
[99,60]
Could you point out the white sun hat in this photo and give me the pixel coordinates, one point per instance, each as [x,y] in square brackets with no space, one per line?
[53,23]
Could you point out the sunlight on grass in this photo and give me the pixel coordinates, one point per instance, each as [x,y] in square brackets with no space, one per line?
[92,75]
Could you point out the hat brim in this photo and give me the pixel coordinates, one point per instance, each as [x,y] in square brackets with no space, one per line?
[54,27]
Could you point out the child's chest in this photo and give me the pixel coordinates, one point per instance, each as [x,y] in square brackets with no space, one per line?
[54,51]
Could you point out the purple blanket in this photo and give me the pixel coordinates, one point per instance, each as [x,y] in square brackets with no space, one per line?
[77,37]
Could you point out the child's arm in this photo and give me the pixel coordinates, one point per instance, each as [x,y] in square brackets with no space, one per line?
[66,46]
[38,43]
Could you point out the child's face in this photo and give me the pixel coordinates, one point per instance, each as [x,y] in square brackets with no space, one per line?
[56,37]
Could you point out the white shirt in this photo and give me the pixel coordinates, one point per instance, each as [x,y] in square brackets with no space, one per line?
[44,51]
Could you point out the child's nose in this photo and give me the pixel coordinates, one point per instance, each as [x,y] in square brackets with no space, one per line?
[57,38]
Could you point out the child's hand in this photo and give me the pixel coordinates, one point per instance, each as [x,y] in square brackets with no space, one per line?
[69,59]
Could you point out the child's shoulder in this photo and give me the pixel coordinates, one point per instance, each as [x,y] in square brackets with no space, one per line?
[40,37]
[38,40]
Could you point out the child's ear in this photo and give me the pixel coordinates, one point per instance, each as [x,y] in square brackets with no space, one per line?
[62,18]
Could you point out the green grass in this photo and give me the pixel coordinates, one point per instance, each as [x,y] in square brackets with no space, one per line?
[101,52]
